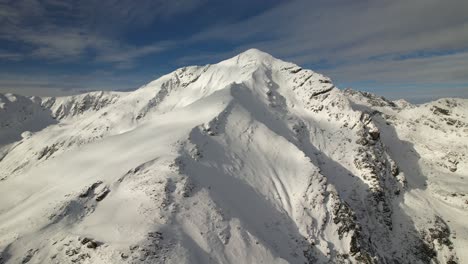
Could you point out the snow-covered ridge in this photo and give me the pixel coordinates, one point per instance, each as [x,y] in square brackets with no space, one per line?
[19,114]
[249,160]
[70,106]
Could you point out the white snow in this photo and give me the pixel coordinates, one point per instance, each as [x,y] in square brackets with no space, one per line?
[251,160]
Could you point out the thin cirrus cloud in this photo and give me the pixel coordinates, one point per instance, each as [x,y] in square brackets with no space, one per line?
[349,29]
[72,44]
[65,30]
[357,41]
[384,46]
[54,40]
[44,84]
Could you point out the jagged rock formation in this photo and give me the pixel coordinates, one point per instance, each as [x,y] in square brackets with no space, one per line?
[246,161]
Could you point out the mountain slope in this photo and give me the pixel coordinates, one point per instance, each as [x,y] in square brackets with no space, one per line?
[249,160]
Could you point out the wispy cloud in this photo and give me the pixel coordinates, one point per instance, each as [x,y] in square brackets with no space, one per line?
[451,68]
[350,29]
[124,56]
[69,30]
[41,84]
[356,41]
[210,57]
[12,56]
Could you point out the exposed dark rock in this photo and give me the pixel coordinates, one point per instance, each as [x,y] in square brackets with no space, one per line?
[451,121]
[102,195]
[47,151]
[354,247]
[321,92]
[425,252]
[344,217]
[452,260]
[189,186]
[439,111]
[362,141]
[296,70]
[440,232]
[364,257]
[156,235]
[309,255]
[92,244]
[72,251]
[29,255]
[375,134]
[372,99]
[90,189]
[85,240]
[394,168]
[80,258]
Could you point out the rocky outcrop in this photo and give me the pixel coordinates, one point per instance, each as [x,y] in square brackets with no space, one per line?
[66,107]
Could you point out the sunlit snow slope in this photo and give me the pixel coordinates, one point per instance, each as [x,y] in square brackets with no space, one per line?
[251,160]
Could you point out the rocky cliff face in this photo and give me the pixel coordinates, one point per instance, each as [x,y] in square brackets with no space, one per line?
[249,160]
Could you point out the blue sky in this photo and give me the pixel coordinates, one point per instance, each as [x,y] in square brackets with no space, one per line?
[417,50]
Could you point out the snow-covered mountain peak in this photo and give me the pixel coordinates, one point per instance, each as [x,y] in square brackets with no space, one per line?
[249,160]
[253,69]
[254,53]
[251,57]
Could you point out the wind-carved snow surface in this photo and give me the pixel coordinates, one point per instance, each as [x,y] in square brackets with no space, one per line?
[251,160]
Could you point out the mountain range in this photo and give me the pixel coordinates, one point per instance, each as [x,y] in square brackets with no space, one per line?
[250,160]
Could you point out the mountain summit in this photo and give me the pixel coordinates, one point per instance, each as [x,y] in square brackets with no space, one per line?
[251,160]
